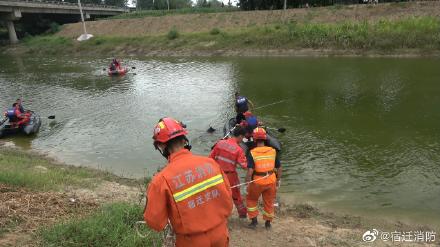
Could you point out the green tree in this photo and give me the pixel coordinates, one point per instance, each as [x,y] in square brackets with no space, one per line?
[118,3]
[162,4]
[144,4]
[209,4]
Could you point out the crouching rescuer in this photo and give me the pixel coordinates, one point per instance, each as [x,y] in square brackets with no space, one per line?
[191,192]
[264,169]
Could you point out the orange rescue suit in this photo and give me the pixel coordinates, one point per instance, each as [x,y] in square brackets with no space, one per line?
[264,160]
[228,154]
[194,194]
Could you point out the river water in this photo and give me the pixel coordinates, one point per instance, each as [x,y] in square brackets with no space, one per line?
[363,134]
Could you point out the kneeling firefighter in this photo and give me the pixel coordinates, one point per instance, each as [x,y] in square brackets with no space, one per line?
[191,192]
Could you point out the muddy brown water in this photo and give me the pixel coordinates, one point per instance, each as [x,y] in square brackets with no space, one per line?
[363,134]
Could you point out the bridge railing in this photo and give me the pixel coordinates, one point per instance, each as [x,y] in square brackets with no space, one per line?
[70,4]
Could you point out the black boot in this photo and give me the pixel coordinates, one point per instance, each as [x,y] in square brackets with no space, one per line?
[267,225]
[253,224]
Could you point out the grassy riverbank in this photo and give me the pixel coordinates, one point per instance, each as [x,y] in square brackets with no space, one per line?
[45,203]
[411,35]
[405,29]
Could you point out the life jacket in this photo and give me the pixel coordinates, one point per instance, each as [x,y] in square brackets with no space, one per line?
[242,104]
[10,113]
[226,154]
[264,159]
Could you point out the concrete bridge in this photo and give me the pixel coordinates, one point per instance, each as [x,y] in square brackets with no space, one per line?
[13,10]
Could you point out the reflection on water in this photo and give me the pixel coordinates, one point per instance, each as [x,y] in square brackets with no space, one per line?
[362,134]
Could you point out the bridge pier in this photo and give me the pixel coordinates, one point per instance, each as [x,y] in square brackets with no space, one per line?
[12,34]
[9,20]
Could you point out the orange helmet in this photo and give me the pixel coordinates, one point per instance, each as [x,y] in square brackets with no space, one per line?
[259,134]
[168,129]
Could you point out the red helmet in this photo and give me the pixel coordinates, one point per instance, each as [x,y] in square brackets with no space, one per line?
[167,129]
[259,134]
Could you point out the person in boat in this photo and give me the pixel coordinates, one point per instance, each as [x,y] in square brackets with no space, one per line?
[115,65]
[249,123]
[264,168]
[229,155]
[241,106]
[19,102]
[16,118]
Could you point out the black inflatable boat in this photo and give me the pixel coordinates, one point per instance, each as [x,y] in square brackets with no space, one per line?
[30,128]
[246,144]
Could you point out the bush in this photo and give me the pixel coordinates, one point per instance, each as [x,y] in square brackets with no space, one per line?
[214,31]
[173,34]
[54,27]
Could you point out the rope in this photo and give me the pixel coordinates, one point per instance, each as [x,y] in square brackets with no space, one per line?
[281,101]
[137,229]
[238,185]
[168,230]
[168,238]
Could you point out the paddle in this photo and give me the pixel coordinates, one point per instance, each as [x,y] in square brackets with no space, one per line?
[281,130]
[226,136]
[104,69]
[49,117]
[229,132]
[4,120]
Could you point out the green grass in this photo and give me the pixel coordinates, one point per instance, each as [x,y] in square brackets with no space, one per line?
[384,36]
[155,13]
[18,168]
[112,225]
[42,42]
[214,31]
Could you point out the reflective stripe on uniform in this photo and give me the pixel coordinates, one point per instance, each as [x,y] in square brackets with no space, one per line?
[267,214]
[252,209]
[268,157]
[197,188]
[225,159]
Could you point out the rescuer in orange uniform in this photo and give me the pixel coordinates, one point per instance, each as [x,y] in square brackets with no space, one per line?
[265,169]
[228,155]
[191,192]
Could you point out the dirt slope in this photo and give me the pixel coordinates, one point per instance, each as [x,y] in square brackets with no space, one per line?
[233,20]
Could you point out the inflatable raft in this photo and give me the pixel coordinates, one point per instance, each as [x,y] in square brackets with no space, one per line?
[247,144]
[30,128]
[117,72]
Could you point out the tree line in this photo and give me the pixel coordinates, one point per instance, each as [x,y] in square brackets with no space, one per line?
[246,4]
[242,4]
[118,3]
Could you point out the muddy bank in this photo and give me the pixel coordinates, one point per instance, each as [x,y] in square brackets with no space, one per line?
[26,210]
